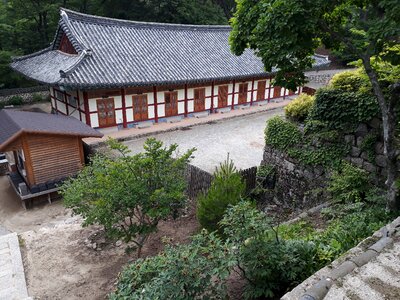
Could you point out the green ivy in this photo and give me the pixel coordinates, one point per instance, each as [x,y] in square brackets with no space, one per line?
[281,134]
[368,145]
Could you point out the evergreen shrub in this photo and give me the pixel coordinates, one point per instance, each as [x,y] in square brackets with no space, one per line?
[281,134]
[298,109]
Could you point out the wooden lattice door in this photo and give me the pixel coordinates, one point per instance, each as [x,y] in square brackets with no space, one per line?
[261,90]
[277,91]
[106,112]
[243,93]
[140,108]
[222,96]
[171,104]
[199,99]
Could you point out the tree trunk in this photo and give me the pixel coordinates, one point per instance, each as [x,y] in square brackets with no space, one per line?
[389,118]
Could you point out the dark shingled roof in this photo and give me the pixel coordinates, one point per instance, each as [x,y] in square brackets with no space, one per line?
[120,53]
[13,123]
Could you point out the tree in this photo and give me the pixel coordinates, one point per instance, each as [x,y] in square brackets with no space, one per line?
[227,188]
[129,195]
[286,33]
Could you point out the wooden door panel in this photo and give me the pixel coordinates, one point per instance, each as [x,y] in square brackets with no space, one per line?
[106,112]
[199,99]
[243,87]
[171,104]
[222,96]
[140,108]
[277,91]
[261,90]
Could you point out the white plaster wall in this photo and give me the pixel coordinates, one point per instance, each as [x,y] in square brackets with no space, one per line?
[229,102]
[75,114]
[61,107]
[181,94]
[208,103]
[181,107]
[129,114]
[255,84]
[94,120]
[271,92]
[230,88]
[118,116]
[208,91]
[150,98]
[92,105]
[190,93]
[151,112]
[215,101]
[83,117]
[160,97]
[161,110]
[191,106]
[128,100]
[117,101]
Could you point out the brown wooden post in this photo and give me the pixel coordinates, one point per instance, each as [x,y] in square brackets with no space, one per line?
[186,100]
[79,105]
[87,111]
[233,95]
[30,176]
[80,147]
[269,89]
[124,122]
[212,98]
[155,104]
[252,91]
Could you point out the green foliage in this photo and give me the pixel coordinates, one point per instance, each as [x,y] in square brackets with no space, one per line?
[37,98]
[281,134]
[368,145]
[15,100]
[351,81]
[299,108]
[340,109]
[129,195]
[193,271]
[349,184]
[269,264]
[226,189]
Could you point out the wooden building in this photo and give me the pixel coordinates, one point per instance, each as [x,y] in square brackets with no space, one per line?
[107,72]
[46,148]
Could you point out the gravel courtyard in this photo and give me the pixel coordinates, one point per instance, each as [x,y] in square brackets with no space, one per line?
[242,138]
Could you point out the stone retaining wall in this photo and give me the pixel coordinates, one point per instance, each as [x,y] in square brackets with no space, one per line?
[25,93]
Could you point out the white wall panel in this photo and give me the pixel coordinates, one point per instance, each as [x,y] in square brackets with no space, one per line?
[191,106]
[208,103]
[161,110]
[150,98]
[208,91]
[75,114]
[129,115]
[160,97]
[61,107]
[128,100]
[94,120]
[181,94]
[92,105]
[190,93]
[118,116]
[117,101]
[151,112]
[181,107]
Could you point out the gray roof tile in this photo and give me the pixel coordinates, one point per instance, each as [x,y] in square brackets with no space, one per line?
[116,53]
[13,122]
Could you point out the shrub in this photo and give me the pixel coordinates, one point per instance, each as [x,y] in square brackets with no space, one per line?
[15,100]
[298,109]
[269,264]
[351,81]
[226,189]
[37,97]
[281,134]
[339,109]
[194,271]
[349,184]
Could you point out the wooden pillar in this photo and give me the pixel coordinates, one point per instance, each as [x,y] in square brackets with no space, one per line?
[269,89]
[30,176]
[55,99]
[78,100]
[66,103]
[155,104]
[212,98]
[124,122]
[186,100]
[87,110]
[233,95]
[252,91]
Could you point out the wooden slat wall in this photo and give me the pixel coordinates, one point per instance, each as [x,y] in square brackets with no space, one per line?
[54,156]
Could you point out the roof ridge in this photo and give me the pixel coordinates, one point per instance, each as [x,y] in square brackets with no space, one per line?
[11,120]
[114,21]
[22,57]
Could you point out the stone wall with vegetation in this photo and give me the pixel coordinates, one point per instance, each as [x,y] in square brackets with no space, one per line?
[24,95]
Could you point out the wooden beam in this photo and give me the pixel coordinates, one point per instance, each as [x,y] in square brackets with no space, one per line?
[233,95]
[87,111]
[124,122]
[155,104]
[269,89]
[252,91]
[212,97]
[30,176]
[186,100]
[80,147]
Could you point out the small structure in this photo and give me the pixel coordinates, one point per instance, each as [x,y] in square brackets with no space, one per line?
[118,73]
[46,149]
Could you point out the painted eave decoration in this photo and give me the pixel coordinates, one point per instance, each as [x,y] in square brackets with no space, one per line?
[91,52]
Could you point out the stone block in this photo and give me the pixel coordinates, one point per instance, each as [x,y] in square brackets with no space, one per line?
[355,152]
[349,139]
[288,165]
[375,123]
[365,156]
[357,162]
[379,148]
[369,167]
[360,139]
[362,130]
[380,161]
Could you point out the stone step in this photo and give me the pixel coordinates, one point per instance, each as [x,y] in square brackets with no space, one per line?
[224,110]
[174,119]
[201,115]
[262,103]
[244,106]
[142,125]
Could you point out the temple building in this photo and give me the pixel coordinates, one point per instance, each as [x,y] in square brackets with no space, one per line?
[117,73]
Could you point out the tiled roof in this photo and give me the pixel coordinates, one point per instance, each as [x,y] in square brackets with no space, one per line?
[14,122]
[120,53]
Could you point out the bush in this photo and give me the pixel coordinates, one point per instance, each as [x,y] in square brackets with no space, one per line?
[226,189]
[349,184]
[339,109]
[37,98]
[270,265]
[281,134]
[351,81]
[193,271]
[15,100]
[298,109]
